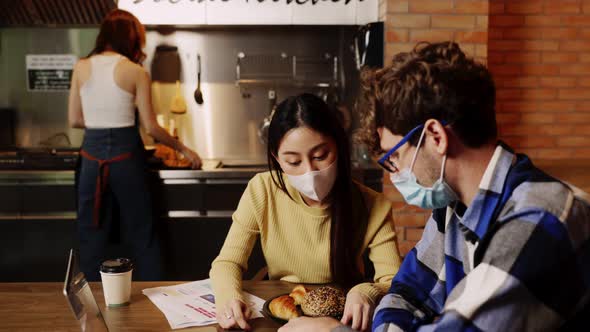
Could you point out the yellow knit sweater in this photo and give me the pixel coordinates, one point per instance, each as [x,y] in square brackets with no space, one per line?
[295,240]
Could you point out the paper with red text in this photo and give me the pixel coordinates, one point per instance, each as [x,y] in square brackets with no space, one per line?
[193,303]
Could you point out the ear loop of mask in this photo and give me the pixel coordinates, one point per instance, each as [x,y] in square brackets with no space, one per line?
[417,148]
[442,169]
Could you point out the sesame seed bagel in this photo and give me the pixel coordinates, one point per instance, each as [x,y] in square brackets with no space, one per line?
[324,301]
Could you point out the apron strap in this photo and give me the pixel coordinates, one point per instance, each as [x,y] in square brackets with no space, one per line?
[102,181]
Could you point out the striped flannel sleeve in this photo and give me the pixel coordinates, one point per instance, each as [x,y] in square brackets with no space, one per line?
[405,307]
[529,279]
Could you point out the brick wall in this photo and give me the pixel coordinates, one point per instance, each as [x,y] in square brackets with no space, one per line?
[539,53]
[465,21]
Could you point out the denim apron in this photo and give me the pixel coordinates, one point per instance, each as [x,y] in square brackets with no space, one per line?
[114,198]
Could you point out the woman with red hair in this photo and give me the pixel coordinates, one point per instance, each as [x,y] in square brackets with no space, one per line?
[107,86]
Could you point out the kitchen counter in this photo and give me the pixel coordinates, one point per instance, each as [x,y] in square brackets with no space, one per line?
[193,211]
[29,194]
[219,173]
[50,175]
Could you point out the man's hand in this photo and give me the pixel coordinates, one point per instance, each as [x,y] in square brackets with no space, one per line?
[305,324]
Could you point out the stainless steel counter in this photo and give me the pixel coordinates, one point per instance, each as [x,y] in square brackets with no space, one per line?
[45,177]
[177,193]
[220,173]
[193,210]
[67,177]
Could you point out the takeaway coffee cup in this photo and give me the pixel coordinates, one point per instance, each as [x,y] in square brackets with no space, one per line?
[116,281]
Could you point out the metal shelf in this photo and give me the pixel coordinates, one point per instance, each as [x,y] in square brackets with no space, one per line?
[281,70]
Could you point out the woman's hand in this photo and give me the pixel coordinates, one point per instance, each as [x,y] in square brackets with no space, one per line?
[193,157]
[358,311]
[234,314]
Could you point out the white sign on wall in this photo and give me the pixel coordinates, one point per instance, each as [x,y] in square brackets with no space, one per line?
[254,12]
[166,12]
[244,12]
[367,11]
[49,72]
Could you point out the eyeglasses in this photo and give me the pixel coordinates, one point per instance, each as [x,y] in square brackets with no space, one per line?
[386,162]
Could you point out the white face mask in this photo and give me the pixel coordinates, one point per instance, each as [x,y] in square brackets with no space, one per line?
[315,185]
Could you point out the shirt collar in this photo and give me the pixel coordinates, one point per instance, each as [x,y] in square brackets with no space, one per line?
[479,214]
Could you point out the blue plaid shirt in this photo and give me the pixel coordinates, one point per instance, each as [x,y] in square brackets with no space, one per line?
[516,259]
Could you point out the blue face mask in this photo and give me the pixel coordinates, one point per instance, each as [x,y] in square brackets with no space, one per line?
[438,196]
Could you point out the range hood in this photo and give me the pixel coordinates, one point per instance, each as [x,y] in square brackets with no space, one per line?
[23,13]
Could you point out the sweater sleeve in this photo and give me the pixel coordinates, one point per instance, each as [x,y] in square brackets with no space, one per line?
[227,269]
[383,251]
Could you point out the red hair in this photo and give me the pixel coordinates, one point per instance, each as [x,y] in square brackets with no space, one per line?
[123,33]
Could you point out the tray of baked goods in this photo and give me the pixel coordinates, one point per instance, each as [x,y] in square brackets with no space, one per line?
[163,157]
[325,301]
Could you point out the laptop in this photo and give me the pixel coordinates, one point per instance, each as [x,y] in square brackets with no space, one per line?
[79,295]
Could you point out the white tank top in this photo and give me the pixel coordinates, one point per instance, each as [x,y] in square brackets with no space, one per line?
[104,103]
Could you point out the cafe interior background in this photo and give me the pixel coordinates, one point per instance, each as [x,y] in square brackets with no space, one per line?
[251,55]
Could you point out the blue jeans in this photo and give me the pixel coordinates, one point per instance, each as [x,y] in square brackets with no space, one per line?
[127,193]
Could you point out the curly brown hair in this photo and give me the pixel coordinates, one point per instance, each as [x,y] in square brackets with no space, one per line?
[433,81]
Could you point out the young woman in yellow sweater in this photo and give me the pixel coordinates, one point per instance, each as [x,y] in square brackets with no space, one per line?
[313,221]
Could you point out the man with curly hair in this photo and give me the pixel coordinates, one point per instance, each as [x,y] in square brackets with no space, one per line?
[507,246]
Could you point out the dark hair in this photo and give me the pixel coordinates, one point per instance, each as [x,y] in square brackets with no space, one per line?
[433,81]
[122,32]
[347,229]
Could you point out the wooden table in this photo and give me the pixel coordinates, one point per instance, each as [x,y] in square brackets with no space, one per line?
[42,307]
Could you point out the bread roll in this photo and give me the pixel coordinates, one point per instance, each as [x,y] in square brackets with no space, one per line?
[324,301]
[176,163]
[283,307]
[163,152]
[298,294]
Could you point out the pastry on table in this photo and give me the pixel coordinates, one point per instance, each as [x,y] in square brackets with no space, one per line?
[324,301]
[284,307]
